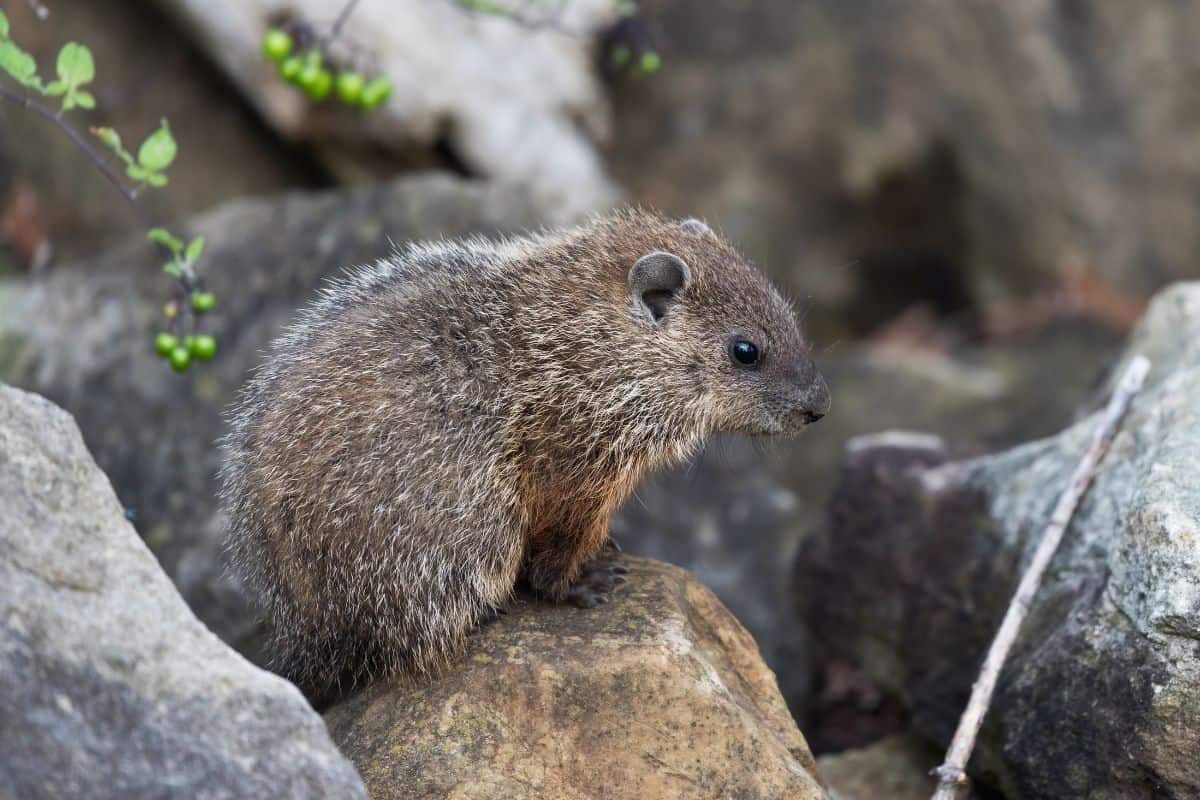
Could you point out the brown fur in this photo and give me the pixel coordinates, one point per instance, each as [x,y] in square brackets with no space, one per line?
[465,414]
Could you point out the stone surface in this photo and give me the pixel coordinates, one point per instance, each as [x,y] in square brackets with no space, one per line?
[145,70]
[82,335]
[895,768]
[878,154]
[112,689]
[660,693]
[919,555]
[512,103]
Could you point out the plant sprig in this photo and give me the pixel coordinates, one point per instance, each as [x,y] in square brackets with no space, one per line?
[76,68]
[154,155]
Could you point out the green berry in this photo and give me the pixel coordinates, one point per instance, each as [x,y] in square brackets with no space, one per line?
[164,343]
[307,77]
[650,62]
[349,87]
[375,93]
[203,301]
[204,347]
[189,343]
[180,358]
[276,44]
[620,56]
[319,86]
[290,68]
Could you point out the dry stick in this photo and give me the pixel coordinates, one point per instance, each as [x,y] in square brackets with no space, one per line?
[952,773]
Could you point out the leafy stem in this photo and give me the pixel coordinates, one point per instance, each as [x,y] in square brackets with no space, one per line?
[26,102]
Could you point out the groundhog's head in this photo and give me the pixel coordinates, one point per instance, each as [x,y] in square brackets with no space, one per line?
[745,363]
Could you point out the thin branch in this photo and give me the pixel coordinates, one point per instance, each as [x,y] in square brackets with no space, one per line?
[23,101]
[342,16]
[952,773]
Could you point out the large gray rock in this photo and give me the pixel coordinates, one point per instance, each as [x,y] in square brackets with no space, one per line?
[112,689]
[512,103]
[82,336]
[918,558]
[877,154]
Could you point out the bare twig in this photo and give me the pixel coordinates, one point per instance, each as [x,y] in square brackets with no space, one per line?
[82,143]
[952,773]
[342,16]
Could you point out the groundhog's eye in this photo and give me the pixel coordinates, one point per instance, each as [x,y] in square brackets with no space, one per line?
[744,352]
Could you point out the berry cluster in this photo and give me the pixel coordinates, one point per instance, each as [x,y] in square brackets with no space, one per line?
[180,351]
[306,69]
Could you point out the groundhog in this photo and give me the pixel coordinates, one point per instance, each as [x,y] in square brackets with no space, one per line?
[462,416]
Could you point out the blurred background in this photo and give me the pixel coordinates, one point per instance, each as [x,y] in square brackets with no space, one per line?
[971,203]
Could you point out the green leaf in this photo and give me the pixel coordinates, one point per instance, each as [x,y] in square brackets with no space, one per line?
[3,26]
[194,248]
[75,65]
[19,64]
[158,151]
[55,88]
[75,68]
[163,236]
[156,179]
[172,269]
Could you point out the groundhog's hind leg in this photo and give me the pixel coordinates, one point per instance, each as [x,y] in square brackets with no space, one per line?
[558,566]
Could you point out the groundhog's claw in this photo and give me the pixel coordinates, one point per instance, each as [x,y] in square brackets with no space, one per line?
[596,583]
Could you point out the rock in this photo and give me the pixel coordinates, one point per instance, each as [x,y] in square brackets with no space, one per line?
[144,71]
[660,693]
[919,555]
[895,768]
[112,688]
[510,103]
[874,154]
[82,335]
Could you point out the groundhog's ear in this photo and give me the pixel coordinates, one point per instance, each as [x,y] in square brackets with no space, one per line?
[694,225]
[655,279]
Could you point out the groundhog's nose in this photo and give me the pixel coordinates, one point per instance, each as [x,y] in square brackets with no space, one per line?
[816,402]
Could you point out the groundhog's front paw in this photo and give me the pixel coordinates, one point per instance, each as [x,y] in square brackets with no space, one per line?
[595,584]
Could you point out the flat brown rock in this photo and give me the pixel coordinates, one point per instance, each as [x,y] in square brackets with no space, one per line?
[659,694]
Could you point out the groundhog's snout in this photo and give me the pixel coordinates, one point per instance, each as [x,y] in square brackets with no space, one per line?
[815,402]
[810,395]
